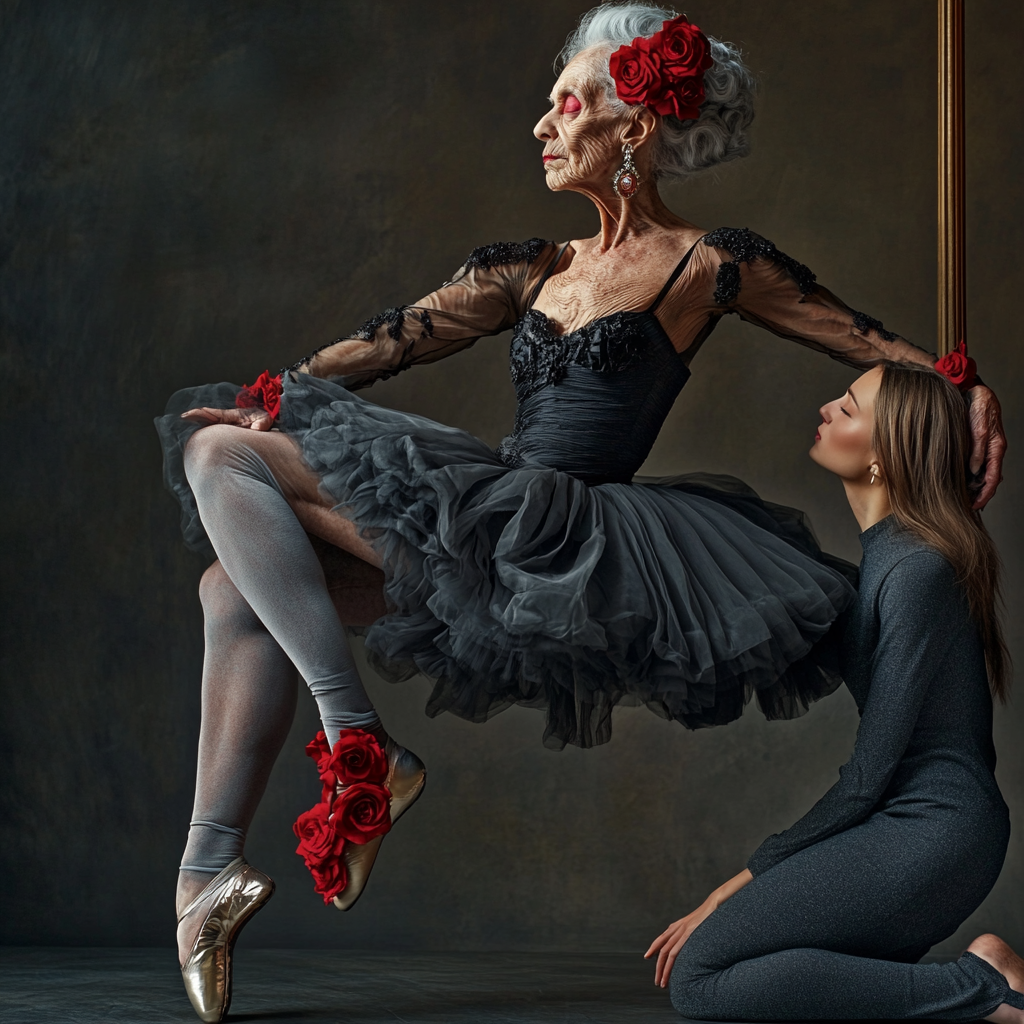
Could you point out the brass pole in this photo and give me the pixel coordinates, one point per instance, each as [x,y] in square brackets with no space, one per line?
[952,240]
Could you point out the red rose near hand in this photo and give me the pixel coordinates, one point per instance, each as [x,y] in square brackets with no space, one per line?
[319,841]
[264,393]
[685,51]
[958,367]
[637,72]
[362,812]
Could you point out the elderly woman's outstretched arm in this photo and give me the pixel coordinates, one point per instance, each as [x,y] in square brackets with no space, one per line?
[774,291]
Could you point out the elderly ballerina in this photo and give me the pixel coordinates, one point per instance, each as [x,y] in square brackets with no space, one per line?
[540,573]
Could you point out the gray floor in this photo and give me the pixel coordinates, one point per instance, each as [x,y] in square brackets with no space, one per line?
[143,986]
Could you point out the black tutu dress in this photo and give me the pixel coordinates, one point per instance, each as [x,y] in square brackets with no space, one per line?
[544,573]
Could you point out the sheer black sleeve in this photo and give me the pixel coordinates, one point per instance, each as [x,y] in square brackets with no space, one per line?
[487,295]
[774,291]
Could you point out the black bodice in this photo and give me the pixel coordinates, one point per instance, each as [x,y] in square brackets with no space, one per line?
[591,402]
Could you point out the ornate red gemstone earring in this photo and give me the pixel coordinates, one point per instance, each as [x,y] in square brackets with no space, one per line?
[626,182]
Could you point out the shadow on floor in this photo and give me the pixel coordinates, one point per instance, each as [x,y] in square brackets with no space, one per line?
[143,986]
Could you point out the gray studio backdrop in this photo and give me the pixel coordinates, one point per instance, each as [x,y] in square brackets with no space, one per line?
[193,192]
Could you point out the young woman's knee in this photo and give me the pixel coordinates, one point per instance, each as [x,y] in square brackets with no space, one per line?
[688,986]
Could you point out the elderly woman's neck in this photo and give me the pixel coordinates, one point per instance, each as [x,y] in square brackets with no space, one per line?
[625,219]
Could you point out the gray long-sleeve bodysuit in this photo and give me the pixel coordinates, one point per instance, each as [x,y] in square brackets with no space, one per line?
[899,852]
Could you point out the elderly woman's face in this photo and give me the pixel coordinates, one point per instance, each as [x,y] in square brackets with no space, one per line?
[581,134]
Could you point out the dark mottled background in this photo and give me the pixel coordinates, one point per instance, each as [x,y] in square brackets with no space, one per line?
[195,191]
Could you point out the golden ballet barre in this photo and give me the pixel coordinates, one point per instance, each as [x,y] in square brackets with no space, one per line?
[952,320]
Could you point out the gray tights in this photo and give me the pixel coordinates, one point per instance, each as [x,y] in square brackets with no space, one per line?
[268,612]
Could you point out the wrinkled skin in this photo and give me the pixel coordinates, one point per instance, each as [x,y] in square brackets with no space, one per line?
[640,239]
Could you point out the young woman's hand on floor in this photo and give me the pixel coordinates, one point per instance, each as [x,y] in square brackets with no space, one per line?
[673,938]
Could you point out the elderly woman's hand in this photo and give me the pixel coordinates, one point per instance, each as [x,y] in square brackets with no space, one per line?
[252,419]
[988,442]
[673,938]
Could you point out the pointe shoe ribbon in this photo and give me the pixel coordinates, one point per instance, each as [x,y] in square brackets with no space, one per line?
[234,895]
[365,790]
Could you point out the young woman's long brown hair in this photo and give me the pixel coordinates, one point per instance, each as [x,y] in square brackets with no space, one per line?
[922,440]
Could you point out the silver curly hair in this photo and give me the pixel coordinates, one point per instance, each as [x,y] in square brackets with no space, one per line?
[683,147]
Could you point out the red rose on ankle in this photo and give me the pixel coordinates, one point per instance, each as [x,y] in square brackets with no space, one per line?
[683,47]
[637,72]
[329,878]
[357,757]
[958,367]
[319,841]
[318,747]
[362,812]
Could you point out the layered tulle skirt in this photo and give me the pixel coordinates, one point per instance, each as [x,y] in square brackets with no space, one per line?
[527,586]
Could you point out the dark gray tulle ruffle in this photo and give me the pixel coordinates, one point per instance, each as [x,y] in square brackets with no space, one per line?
[526,586]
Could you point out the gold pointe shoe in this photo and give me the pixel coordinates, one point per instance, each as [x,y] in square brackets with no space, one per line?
[234,896]
[406,778]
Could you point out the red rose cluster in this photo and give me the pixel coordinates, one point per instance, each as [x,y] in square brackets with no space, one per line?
[355,806]
[665,72]
[265,393]
[958,367]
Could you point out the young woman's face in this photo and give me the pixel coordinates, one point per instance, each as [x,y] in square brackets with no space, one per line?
[580,132]
[843,442]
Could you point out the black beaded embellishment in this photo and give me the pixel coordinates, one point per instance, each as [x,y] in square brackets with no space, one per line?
[539,356]
[486,256]
[865,323]
[394,318]
[745,246]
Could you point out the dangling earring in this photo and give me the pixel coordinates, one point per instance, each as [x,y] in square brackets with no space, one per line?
[626,182]
[873,475]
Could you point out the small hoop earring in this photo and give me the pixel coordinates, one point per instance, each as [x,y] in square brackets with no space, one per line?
[626,182]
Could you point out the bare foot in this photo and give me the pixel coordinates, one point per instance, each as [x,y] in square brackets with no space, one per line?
[994,951]
[190,885]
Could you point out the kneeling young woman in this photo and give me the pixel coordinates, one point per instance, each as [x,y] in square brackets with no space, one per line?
[831,917]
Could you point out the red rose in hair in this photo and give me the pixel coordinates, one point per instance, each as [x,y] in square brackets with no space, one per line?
[685,51]
[319,841]
[362,812]
[329,878]
[681,99]
[356,757]
[637,72]
[264,393]
[665,72]
[958,367]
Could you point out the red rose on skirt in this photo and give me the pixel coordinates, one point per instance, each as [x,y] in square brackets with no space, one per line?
[362,812]
[958,367]
[329,878]
[356,757]
[319,841]
[684,49]
[637,73]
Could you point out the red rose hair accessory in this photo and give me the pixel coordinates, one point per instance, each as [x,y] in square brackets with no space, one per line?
[354,807]
[265,393]
[959,368]
[665,72]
